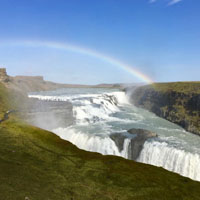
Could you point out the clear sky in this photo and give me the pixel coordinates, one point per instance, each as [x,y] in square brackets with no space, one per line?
[160,38]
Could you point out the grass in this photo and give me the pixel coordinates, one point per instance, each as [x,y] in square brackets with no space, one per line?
[182,87]
[37,164]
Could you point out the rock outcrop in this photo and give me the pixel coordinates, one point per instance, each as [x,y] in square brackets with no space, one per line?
[176,102]
[137,137]
[3,75]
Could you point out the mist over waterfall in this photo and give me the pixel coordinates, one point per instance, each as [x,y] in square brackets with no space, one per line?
[102,118]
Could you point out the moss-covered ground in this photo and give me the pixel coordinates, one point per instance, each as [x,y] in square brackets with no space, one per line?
[179,87]
[38,165]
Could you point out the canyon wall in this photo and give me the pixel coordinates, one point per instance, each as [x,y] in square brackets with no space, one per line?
[178,102]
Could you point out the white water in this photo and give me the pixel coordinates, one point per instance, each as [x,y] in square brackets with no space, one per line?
[173,159]
[103,145]
[99,113]
[89,108]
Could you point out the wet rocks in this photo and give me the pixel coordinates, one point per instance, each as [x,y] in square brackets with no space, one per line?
[137,139]
[142,133]
[118,138]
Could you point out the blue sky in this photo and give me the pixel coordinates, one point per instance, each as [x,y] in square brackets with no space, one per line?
[160,38]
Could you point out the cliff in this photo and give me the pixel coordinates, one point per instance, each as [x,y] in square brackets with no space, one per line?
[3,75]
[178,102]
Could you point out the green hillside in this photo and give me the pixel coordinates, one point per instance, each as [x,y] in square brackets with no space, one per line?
[37,165]
[181,87]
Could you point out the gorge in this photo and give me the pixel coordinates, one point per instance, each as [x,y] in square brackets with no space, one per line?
[97,120]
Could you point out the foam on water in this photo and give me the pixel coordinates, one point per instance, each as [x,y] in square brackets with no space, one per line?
[94,143]
[90,108]
[173,159]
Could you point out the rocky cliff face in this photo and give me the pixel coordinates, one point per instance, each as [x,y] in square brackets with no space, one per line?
[137,136]
[176,102]
[3,75]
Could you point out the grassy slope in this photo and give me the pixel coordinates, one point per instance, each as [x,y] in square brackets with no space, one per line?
[38,164]
[182,87]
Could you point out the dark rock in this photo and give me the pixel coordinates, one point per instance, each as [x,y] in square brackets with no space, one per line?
[138,141]
[176,102]
[118,138]
[3,75]
[142,133]
[137,137]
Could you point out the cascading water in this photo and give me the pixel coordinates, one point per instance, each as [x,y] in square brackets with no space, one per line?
[171,158]
[102,118]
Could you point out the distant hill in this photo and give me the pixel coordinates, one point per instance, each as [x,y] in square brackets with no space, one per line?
[37,83]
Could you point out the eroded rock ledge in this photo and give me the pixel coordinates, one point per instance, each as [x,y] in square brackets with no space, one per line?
[137,139]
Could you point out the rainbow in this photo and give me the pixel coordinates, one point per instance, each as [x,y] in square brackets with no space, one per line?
[84,51]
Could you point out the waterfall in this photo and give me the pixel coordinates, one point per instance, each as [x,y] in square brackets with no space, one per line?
[102,119]
[179,161]
[104,145]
